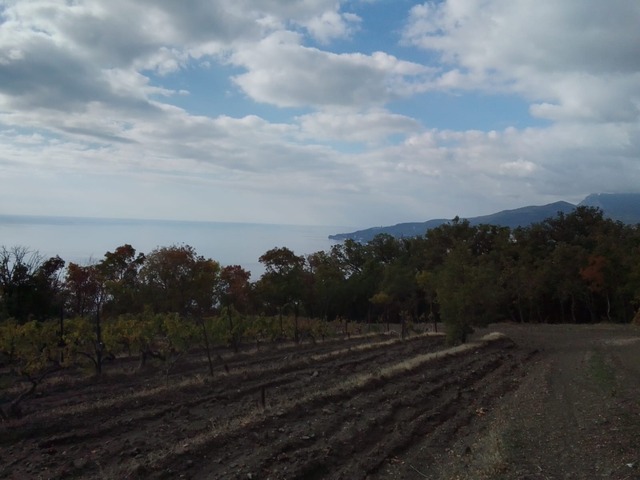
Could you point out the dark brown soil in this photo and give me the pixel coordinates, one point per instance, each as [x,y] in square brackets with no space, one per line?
[547,402]
[574,415]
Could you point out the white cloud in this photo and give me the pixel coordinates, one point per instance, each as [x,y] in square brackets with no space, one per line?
[285,73]
[518,168]
[331,25]
[86,93]
[573,59]
[373,127]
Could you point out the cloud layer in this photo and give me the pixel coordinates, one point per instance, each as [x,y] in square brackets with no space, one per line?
[97,117]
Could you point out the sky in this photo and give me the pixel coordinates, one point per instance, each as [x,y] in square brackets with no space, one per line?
[315,112]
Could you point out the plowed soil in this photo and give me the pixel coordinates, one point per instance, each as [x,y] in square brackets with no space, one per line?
[537,402]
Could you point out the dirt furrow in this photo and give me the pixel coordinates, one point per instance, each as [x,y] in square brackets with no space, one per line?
[291,432]
[388,403]
[226,388]
[66,389]
[126,424]
[367,411]
[393,353]
[373,438]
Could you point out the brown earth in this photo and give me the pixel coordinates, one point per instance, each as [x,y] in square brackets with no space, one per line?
[548,402]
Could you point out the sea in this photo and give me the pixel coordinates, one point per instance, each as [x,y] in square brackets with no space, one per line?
[86,240]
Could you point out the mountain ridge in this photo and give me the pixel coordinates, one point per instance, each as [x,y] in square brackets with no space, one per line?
[623,207]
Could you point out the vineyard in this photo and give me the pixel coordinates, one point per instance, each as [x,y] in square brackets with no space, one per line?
[340,407]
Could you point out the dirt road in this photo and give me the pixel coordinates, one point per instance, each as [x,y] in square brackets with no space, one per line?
[574,415]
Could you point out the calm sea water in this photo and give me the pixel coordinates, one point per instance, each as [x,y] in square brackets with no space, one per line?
[82,240]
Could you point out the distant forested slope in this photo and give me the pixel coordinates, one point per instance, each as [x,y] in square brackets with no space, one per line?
[621,207]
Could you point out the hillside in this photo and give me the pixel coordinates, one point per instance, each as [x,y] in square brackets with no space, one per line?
[621,207]
[624,207]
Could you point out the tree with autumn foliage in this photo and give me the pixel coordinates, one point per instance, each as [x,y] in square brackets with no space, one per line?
[120,270]
[86,291]
[236,297]
[177,280]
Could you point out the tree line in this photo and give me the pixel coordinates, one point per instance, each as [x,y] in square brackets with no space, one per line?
[577,267]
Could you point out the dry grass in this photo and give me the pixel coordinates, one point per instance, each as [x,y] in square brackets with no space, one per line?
[371,346]
[305,360]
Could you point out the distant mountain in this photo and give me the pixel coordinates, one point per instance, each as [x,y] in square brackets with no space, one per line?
[413,229]
[622,207]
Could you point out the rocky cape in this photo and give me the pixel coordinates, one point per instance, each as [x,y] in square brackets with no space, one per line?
[623,207]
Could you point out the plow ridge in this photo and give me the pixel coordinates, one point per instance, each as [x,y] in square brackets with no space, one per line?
[328,411]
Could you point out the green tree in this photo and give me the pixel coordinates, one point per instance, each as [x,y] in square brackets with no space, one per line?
[400,285]
[327,285]
[383,301]
[282,285]
[455,296]
[362,270]
[426,281]
[469,283]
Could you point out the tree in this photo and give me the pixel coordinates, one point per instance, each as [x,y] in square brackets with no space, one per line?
[469,283]
[362,269]
[235,297]
[351,256]
[327,285]
[454,291]
[282,284]
[426,281]
[177,280]
[384,248]
[17,267]
[103,288]
[206,274]
[120,271]
[86,288]
[382,301]
[235,288]
[30,286]
[49,288]
[401,289]
[81,285]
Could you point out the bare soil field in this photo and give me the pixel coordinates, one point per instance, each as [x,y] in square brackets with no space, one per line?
[538,402]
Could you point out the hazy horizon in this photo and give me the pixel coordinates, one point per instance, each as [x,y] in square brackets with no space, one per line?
[228,243]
